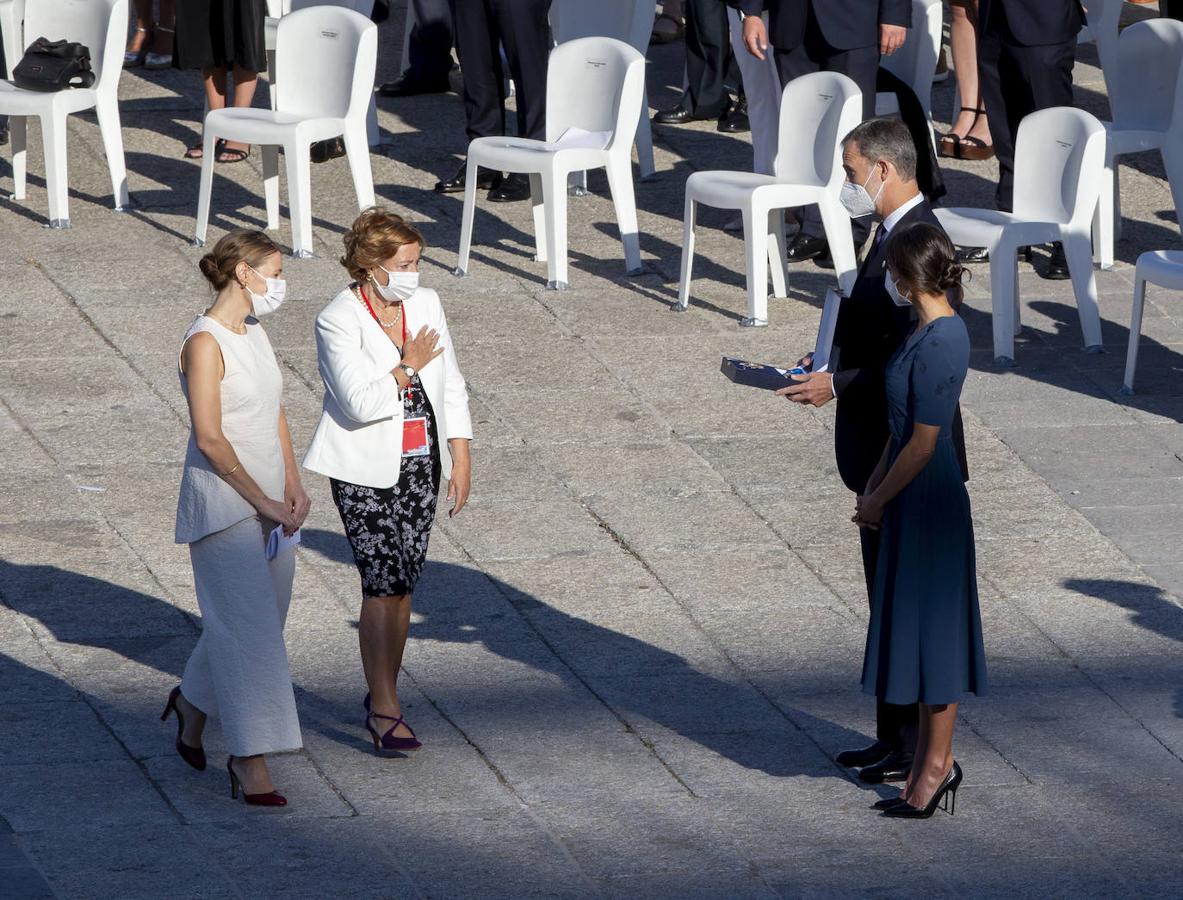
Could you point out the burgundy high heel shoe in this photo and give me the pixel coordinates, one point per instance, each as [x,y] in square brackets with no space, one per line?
[271,798]
[387,740]
[194,756]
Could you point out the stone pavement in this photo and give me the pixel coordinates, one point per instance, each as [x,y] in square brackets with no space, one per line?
[636,652]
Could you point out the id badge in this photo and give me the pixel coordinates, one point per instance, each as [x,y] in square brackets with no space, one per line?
[415,437]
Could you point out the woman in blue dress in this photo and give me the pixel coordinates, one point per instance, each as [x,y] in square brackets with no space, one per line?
[924,640]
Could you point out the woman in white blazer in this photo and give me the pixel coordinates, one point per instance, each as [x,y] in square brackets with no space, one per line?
[395,420]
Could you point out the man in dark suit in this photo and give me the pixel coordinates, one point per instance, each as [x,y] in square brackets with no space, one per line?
[880,156]
[846,36]
[710,66]
[522,29]
[428,58]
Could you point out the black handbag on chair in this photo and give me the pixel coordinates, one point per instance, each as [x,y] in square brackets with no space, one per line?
[49,66]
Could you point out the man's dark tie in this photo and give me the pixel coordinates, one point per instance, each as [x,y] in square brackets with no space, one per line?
[880,236]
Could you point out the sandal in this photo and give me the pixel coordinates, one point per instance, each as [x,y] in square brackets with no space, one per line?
[229,155]
[197,151]
[156,61]
[955,146]
[667,37]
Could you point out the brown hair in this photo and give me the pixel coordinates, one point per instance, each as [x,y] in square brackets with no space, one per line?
[922,256]
[376,235]
[250,247]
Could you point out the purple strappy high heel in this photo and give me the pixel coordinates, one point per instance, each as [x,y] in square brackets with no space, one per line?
[387,740]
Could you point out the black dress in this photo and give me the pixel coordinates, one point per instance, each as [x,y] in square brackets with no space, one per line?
[215,33]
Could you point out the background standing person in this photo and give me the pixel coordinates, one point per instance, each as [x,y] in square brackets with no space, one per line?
[846,36]
[240,481]
[151,43]
[669,24]
[395,421]
[428,59]
[482,27]
[969,138]
[924,639]
[709,65]
[220,37]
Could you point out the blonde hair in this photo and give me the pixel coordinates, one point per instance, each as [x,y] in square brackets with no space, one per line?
[374,236]
[250,247]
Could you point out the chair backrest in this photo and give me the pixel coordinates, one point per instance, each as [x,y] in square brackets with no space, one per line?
[1104,19]
[1059,160]
[1149,56]
[283,7]
[596,84]
[630,21]
[816,112]
[325,59]
[916,62]
[99,24]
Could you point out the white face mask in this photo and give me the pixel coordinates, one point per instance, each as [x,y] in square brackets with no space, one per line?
[399,285]
[856,200]
[269,302]
[893,291]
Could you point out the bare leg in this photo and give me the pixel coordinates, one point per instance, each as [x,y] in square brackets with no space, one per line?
[245,82]
[139,37]
[252,772]
[963,43]
[929,770]
[922,742]
[194,722]
[382,634]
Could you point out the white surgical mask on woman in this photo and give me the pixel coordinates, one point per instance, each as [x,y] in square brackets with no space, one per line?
[856,200]
[266,303]
[399,285]
[893,291]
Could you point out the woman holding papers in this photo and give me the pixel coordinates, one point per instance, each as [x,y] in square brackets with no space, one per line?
[395,421]
[924,640]
[240,483]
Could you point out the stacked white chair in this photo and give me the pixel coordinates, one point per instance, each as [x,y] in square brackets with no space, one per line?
[594,88]
[1161,267]
[102,26]
[816,112]
[276,9]
[1104,20]
[325,60]
[915,63]
[1144,106]
[630,21]
[1059,157]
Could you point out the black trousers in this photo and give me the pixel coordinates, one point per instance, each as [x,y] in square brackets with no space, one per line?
[1171,9]
[429,52]
[710,64]
[860,65]
[482,27]
[1015,82]
[895,725]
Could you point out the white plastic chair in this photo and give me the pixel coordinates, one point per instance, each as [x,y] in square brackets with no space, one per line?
[276,9]
[1104,19]
[594,88]
[1059,155]
[816,112]
[1144,105]
[325,57]
[915,63]
[99,24]
[1161,267]
[630,21]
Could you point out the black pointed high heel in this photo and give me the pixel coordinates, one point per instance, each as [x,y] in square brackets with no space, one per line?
[947,792]
[194,756]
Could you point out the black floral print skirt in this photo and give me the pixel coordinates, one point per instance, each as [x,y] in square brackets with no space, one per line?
[388,528]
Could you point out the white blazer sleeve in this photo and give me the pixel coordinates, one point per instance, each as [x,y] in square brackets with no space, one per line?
[348,377]
[455,389]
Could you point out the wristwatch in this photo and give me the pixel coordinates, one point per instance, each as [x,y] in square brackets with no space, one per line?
[410,370]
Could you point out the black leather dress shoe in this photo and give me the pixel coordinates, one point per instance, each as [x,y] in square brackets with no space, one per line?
[515,186]
[679,115]
[966,255]
[866,756]
[485,180]
[805,247]
[1057,265]
[406,87]
[735,119]
[3,135]
[894,768]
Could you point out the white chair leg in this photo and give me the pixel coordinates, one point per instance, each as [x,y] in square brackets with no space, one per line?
[18,138]
[271,184]
[111,130]
[1004,286]
[555,212]
[620,183]
[777,253]
[644,140]
[1131,356]
[357,149]
[538,209]
[1117,229]
[53,137]
[299,166]
[373,136]
[467,216]
[204,188]
[755,234]
[1084,286]
[836,222]
[688,215]
[1103,220]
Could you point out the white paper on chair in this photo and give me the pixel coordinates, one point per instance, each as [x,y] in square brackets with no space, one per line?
[825,332]
[278,542]
[571,139]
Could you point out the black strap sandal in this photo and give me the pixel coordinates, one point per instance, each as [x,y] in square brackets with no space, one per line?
[228,155]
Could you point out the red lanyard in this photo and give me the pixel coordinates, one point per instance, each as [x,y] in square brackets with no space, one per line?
[361,289]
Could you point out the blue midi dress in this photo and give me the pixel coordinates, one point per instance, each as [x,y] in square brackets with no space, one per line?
[924,640]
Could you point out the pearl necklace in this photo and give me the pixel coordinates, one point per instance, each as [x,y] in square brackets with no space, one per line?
[397,315]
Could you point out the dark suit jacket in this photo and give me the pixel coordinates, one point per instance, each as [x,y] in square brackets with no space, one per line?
[1034,23]
[846,24]
[869,329]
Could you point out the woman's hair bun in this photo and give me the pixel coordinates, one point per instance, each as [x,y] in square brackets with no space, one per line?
[251,247]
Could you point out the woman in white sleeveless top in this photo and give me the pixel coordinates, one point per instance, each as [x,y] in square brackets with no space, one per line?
[240,482]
